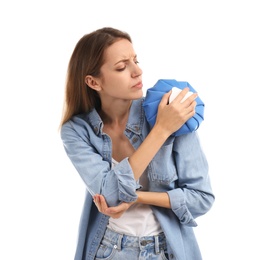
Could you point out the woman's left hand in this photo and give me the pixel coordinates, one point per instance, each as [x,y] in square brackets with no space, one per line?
[113,212]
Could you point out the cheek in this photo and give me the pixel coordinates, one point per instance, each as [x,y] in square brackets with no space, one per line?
[116,83]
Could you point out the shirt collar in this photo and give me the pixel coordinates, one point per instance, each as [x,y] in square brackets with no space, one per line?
[135,120]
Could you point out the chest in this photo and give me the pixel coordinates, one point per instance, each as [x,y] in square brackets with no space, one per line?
[121,146]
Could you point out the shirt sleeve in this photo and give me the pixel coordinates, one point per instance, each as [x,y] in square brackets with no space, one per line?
[193,195]
[117,184]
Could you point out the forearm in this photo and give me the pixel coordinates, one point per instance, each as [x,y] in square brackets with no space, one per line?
[160,199]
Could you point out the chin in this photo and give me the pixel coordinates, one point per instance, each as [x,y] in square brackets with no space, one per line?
[139,94]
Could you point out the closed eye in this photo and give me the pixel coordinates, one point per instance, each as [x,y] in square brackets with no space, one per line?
[122,69]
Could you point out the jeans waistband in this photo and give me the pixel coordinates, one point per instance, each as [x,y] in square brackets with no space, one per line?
[121,240]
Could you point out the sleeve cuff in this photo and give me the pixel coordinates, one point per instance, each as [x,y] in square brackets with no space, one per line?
[179,207]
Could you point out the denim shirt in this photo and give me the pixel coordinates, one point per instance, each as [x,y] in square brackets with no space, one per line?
[179,168]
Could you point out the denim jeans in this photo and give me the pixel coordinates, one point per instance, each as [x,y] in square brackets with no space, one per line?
[118,246]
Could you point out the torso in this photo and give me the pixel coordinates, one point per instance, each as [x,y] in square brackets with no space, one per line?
[139,219]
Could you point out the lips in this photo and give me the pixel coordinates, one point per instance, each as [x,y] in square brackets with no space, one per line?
[138,85]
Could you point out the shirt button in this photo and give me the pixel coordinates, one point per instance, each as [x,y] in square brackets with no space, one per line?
[134,140]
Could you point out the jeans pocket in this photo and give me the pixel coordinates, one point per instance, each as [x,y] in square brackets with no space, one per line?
[105,252]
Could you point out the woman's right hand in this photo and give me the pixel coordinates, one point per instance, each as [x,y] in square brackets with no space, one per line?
[171,116]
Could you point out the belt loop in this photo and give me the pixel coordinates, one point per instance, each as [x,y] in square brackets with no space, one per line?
[119,242]
[157,245]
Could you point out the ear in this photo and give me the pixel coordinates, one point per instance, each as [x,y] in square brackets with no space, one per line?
[92,82]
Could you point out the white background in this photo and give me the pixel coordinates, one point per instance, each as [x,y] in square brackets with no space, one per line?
[211,44]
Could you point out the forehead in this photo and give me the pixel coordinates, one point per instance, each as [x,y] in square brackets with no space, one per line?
[119,50]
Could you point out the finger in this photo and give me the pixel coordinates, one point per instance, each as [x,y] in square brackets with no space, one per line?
[190,101]
[181,95]
[95,199]
[190,110]
[102,203]
[165,99]
[96,202]
[192,97]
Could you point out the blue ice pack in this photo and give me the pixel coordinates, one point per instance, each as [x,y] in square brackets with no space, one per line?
[154,96]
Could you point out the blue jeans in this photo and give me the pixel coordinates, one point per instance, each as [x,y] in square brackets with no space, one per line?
[118,246]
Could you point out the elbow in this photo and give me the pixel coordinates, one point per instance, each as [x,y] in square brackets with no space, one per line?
[206,203]
[117,196]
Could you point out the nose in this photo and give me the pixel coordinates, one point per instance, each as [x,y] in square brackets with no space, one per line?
[137,71]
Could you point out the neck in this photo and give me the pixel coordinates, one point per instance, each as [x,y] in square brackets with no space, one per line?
[115,113]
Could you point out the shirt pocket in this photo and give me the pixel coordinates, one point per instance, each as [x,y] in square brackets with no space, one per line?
[162,168]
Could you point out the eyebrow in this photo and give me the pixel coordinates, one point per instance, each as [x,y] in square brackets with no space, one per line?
[125,60]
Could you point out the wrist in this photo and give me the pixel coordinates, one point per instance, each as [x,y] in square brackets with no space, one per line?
[160,133]
[138,200]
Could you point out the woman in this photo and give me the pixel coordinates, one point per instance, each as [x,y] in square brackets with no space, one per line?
[144,187]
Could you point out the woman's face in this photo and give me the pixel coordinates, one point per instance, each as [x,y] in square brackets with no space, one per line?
[121,75]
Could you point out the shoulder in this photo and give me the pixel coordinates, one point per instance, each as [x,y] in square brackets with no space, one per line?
[81,124]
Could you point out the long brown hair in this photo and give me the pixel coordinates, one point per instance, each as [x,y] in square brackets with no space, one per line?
[87,59]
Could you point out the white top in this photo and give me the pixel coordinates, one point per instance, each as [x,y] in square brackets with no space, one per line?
[139,219]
